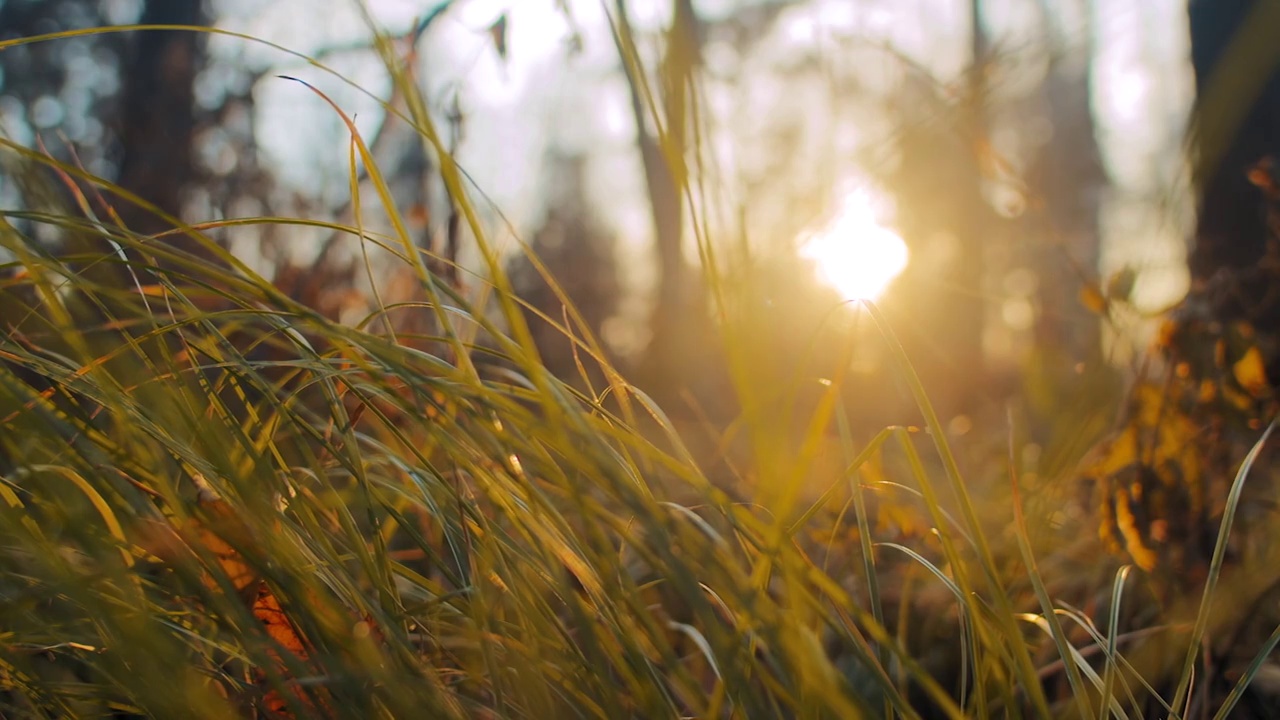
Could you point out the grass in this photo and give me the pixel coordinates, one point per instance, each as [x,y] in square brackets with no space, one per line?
[218,502]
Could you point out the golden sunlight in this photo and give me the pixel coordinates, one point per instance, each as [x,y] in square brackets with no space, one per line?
[854,253]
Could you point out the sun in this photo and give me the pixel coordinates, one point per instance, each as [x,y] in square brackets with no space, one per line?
[854,254]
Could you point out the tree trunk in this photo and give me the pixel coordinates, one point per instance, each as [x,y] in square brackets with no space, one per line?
[1237,124]
[1235,257]
[1235,261]
[157,117]
[1165,473]
[675,306]
[1068,175]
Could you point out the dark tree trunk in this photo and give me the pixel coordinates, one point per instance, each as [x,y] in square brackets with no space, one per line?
[1237,133]
[157,116]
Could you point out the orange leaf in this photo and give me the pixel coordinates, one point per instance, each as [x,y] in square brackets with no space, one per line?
[267,609]
[1092,298]
[1251,373]
[223,524]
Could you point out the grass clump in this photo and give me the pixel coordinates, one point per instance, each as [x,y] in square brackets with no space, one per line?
[216,500]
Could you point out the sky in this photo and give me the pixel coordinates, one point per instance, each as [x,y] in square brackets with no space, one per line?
[540,94]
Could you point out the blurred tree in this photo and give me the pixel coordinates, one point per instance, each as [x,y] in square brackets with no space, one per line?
[1054,266]
[125,101]
[147,110]
[948,224]
[157,118]
[1235,261]
[579,254]
[406,162]
[682,360]
[677,305]
[1067,178]
[1234,299]
[70,86]
[1237,126]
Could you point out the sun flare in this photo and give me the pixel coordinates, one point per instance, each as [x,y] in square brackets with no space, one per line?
[854,254]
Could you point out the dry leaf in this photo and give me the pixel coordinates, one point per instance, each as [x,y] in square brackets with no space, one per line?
[1251,373]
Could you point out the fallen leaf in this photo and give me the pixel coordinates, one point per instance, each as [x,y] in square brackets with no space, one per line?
[1251,373]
